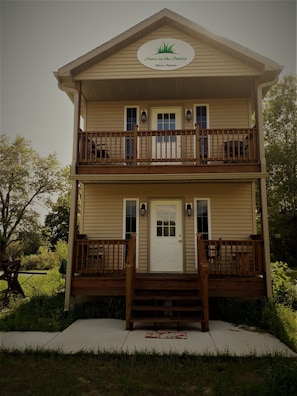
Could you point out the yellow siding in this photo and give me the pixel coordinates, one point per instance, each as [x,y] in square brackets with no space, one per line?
[231,207]
[229,113]
[223,113]
[208,61]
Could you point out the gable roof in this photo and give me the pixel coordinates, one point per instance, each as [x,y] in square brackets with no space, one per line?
[168,17]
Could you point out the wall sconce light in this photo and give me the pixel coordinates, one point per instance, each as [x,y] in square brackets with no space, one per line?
[188,115]
[143,115]
[142,209]
[189,210]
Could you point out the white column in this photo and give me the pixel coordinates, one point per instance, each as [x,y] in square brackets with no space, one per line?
[73,195]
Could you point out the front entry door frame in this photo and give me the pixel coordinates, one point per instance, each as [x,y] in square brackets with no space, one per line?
[166,235]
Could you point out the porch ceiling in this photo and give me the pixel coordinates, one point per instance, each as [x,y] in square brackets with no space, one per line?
[167,88]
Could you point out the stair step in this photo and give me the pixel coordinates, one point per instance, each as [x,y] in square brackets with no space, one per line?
[165,297]
[168,309]
[167,319]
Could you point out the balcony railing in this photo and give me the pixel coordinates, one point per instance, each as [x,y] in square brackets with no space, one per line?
[106,256]
[238,258]
[186,146]
[224,257]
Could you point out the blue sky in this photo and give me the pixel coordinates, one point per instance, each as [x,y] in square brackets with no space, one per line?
[38,37]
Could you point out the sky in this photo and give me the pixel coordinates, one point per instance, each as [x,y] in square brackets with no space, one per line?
[39,37]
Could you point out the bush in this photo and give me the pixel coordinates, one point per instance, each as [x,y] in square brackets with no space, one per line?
[283,286]
[45,259]
[44,284]
[288,318]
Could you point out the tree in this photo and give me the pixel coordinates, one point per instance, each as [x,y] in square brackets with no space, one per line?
[26,180]
[57,221]
[280,125]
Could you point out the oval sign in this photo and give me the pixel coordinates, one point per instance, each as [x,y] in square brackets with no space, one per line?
[165,54]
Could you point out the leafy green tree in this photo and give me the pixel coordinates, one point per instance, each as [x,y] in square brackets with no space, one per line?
[280,124]
[57,220]
[26,181]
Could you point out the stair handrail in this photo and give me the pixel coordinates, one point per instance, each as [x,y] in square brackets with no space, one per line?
[130,276]
[203,276]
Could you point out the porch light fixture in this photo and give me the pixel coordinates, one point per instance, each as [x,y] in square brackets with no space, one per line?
[143,115]
[189,210]
[188,115]
[142,209]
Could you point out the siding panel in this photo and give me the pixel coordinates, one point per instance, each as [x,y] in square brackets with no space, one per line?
[232,212]
[208,61]
[223,113]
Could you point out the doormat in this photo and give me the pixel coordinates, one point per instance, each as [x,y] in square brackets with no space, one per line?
[167,334]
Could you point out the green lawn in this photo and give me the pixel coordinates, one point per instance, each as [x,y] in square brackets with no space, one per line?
[48,373]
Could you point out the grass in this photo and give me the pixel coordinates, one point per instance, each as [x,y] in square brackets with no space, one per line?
[50,373]
[37,372]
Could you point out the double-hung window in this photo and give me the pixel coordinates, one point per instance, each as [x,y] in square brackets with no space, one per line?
[201,119]
[130,121]
[202,214]
[202,220]
[130,225]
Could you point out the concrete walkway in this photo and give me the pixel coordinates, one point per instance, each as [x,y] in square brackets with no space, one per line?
[109,335]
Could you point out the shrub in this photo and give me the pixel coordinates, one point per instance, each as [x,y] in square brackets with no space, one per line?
[283,286]
[45,259]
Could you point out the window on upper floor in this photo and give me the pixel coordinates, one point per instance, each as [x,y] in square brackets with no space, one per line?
[131,118]
[201,116]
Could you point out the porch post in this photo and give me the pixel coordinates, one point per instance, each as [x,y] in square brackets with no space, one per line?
[76,91]
[135,129]
[197,142]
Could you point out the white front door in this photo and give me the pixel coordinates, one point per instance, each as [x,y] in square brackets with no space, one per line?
[168,145]
[166,242]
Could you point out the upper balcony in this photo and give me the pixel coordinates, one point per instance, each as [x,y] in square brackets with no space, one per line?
[168,152]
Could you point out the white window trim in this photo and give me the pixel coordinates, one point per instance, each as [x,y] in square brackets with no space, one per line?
[137,223]
[195,223]
[125,114]
[207,113]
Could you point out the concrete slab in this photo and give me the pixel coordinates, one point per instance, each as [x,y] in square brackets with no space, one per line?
[109,335]
[238,341]
[22,340]
[197,342]
[96,335]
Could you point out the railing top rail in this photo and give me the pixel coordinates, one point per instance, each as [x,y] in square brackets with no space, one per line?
[183,130]
[232,241]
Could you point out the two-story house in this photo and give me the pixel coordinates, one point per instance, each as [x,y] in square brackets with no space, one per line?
[168,153]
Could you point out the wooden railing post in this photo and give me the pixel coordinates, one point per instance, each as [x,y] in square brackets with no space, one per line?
[203,275]
[197,143]
[135,130]
[130,275]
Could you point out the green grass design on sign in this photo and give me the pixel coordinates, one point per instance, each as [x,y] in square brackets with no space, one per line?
[165,49]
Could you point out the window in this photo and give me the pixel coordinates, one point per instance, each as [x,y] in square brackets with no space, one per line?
[165,122]
[201,116]
[131,120]
[203,218]
[130,222]
[166,221]
[201,119]
[130,218]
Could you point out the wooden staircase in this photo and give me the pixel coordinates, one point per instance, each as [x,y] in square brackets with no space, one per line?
[174,299]
[167,298]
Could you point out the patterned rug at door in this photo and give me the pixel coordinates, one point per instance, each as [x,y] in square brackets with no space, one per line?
[167,334]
